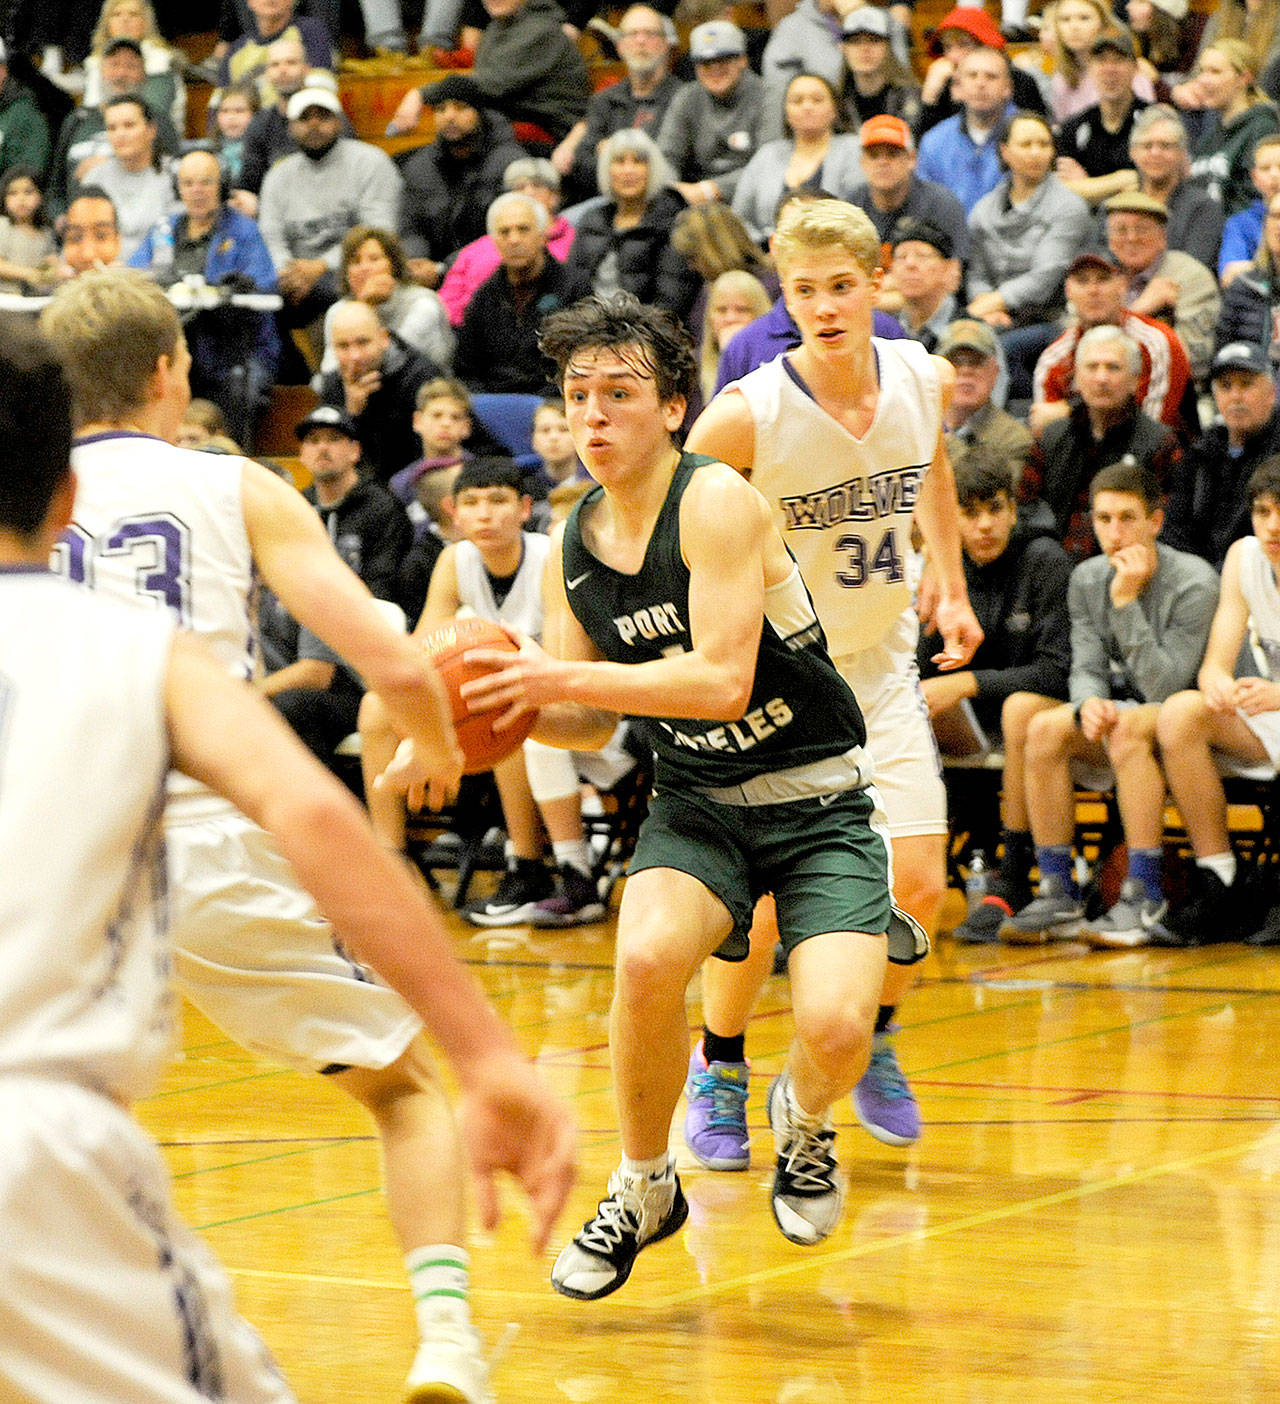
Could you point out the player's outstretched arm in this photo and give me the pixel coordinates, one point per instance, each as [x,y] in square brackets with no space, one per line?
[222,734]
[298,562]
[943,599]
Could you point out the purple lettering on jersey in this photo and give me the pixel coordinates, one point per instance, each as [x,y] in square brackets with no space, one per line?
[161,545]
[169,580]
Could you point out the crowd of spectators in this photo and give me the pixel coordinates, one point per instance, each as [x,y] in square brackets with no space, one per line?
[1087,227]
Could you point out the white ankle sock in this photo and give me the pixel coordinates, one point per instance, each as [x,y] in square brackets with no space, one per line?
[440,1278]
[1223,864]
[572,853]
[661,1167]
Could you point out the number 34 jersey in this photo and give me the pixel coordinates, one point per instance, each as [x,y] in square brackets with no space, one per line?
[843,504]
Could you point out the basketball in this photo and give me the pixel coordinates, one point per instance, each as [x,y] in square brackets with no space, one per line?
[446,646]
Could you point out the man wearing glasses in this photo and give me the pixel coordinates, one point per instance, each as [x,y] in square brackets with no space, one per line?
[1158,149]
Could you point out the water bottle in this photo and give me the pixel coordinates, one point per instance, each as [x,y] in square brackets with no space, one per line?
[162,252]
[975,884]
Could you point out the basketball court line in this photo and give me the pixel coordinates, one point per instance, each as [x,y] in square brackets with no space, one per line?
[810,1262]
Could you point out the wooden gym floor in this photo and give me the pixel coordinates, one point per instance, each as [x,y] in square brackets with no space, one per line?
[1093,1213]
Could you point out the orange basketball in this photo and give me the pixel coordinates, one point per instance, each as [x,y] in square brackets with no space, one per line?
[446,646]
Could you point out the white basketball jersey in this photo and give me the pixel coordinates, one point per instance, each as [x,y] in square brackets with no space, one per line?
[842,504]
[522,608]
[162,528]
[1258,585]
[84,964]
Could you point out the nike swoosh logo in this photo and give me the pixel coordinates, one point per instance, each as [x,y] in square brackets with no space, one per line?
[577,580]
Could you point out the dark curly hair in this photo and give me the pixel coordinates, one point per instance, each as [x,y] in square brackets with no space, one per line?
[621,322]
[1264,481]
[982,476]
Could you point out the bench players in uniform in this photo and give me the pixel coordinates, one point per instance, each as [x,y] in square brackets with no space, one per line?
[107,1295]
[169,528]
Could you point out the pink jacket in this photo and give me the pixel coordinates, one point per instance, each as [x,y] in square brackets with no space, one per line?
[476,260]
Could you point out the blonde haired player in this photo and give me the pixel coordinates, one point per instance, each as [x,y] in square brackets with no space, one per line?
[107,1295]
[164,528]
[843,436]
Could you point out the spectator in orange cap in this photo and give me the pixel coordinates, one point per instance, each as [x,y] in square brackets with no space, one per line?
[891,189]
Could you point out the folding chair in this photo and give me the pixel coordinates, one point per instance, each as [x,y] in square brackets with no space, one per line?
[457,837]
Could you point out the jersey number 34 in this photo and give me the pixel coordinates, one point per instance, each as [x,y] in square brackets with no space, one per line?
[885,560]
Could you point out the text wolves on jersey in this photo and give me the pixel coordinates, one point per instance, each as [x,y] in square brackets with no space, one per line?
[859,500]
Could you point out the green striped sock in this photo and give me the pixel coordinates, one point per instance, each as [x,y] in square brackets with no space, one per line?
[440,1278]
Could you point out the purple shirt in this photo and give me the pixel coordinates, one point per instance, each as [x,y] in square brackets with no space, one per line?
[768,336]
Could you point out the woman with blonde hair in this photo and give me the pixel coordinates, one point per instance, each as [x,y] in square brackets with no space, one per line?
[1075,24]
[163,87]
[712,240]
[1254,22]
[735,300]
[1242,114]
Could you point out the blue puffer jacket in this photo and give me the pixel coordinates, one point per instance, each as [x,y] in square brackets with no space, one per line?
[237,246]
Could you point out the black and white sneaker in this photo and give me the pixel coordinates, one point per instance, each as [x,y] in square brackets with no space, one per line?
[637,1212]
[516,899]
[807,1195]
[576,902]
[1215,913]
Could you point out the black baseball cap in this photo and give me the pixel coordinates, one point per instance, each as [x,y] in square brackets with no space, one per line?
[328,417]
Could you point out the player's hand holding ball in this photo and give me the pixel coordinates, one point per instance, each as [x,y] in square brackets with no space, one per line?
[468,654]
[511,682]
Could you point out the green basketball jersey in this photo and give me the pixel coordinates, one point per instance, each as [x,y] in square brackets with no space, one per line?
[801,710]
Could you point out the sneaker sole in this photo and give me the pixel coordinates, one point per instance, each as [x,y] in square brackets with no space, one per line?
[515,916]
[885,1137]
[437,1394]
[1042,936]
[966,936]
[718,1162]
[817,1237]
[680,1212]
[1115,940]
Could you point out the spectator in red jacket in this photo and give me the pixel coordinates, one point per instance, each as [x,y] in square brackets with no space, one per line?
[1096,287]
